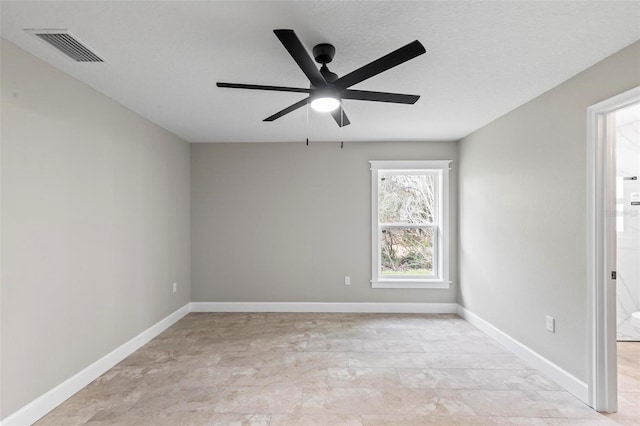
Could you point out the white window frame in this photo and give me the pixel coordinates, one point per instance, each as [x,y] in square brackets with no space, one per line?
[440,169]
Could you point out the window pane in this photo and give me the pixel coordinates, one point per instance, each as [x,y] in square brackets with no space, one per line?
[406,251]
[406,198]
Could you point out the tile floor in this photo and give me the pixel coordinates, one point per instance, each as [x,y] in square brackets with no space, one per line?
[323,369]
[628,384]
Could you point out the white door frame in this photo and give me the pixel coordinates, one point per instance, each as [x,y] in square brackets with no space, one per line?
[601,252]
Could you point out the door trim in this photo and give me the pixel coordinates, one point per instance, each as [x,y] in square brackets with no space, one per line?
[601,250]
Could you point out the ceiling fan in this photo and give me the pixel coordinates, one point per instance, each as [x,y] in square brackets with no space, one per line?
[326,89]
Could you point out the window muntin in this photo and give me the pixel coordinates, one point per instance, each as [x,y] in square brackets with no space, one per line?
[409,228]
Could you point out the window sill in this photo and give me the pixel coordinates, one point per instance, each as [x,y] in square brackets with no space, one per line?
[399,283]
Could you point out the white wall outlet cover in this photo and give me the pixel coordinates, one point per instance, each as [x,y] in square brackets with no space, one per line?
[347,280]
[551,324]
[175,287]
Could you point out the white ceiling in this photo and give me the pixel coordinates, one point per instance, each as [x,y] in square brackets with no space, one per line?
[483,59]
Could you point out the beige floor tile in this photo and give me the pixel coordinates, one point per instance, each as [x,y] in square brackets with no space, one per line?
[495,361]
[68,417]
[219,376]
[335,345]
[252,359]
[568,405]
[402,321]
[323,324]
[382,401]
[621,420]
[628,384]
[629,404]
[457,333]
[489,421]
[407,420]
[629,367]
[511,379]
[348,333]
[452,378]
[381,360]
[258,399]
[601,421]
[189,419]
[91,400]
[292,342]
[363,378]
[264,376]
[146,356]
[395,334]
[318,359]
[315,420]
[221,346]
[237,420]
[174,399]
[515,403]
[309,375]
[512,403]
[462,346]
[392,346]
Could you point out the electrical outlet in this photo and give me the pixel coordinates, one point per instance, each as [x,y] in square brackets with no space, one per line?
[551,324]
[347,280]
[175,287]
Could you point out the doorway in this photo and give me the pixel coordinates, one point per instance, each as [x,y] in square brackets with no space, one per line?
[627,146]
[613,219]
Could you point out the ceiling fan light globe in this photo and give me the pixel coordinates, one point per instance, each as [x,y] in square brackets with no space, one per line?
[325,104]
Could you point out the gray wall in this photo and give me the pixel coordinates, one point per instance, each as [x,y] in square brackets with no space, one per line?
[95,226]
[522,249]
[282,222]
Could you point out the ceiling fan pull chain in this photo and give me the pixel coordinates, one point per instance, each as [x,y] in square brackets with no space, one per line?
[341,126]
[307,123]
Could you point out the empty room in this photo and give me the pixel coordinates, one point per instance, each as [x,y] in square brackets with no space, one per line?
[321,213]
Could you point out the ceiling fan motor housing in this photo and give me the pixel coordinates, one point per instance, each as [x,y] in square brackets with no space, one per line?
[324,53]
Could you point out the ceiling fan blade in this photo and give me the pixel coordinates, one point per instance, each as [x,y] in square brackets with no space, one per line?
[342,121]
[261,87]
[292,43]
[287,110]
[397,57]
[365,95]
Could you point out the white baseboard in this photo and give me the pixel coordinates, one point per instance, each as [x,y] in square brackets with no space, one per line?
[42,405]
[563,378]
[418,308]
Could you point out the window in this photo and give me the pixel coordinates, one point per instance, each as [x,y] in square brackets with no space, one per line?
[409,202]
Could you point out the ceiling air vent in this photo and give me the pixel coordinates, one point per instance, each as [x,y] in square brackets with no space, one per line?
[68,44]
